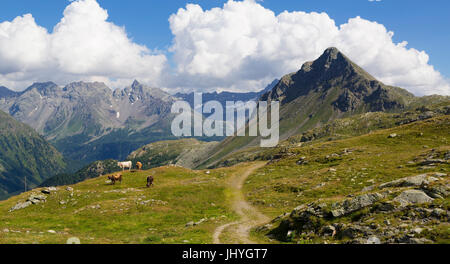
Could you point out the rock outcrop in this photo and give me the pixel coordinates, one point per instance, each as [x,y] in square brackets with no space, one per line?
[403,211]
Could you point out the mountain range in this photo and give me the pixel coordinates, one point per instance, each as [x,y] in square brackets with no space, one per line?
[89,121]
[223,97]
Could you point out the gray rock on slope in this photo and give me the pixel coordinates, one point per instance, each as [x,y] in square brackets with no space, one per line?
[413,197]
[20,206]
[355,204]
[32,199]
[410,181]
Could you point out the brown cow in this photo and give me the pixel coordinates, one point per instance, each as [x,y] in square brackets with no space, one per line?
[114,178]
[150,180]
[139,165]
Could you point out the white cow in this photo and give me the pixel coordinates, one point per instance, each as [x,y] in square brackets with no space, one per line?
[126,164]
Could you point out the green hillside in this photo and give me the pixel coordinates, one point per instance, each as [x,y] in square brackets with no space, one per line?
[184,206]
[24,155]
[327,173]
[184,152]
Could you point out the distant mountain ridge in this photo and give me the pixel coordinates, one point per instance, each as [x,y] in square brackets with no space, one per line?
[89,121]
[223,97]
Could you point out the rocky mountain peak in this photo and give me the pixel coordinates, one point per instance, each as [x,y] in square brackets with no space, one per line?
[135,84]
[87,88]
[43,88]
[138,91]
[332,60]
[331,71]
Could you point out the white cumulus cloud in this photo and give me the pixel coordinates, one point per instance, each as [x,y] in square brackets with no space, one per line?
[243,45]
[82,46]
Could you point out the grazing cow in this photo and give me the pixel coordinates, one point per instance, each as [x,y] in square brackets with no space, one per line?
[114,178]
[150,180]
[126,164]
[138,165]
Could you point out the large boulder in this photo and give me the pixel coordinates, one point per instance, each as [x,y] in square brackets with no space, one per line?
[355,204]
[413,197]
[20,206]
[437,191]
[37,198]
[304,218]
[418,180]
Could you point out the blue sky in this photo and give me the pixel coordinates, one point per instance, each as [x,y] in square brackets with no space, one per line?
[423,24]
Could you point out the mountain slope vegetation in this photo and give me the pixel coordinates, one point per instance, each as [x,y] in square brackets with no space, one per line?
[24,156]
[325,173]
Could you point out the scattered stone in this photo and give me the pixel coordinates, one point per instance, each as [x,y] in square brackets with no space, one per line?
[432,162]
[49,190]
[302,161]
[51,231]
[69,189]
[417,230]
[290,233]
[190,224]
[412,240]
[20,206]
[373,240]
[37,198]
[355,204]
[6,230]
[413,197]
[437,212]
[154,202]
[328,231]
[201,221]
[437,191]
[410,181]
[392,135]
[385,207]
[368,188]
[353,231]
